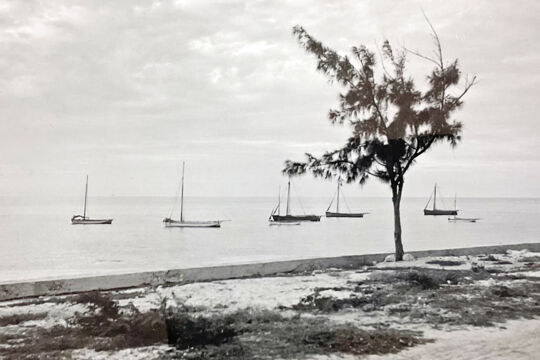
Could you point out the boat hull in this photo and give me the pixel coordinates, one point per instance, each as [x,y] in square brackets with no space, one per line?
[91,221]
[193,224]
[289,218]
[437,212]
[456,219]
[344,215]
[274,223]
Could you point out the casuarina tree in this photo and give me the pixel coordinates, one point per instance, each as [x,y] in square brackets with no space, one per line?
[393,122]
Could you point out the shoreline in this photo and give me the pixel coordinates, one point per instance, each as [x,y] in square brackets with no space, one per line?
[26,289]
[459,306]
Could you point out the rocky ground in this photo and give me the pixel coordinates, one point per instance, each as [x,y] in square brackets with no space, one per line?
[455,307]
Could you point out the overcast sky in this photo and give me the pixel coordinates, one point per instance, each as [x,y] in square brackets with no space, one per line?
[126,90]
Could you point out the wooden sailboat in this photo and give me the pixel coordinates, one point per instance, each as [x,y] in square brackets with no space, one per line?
[288,216]
[341,214]
[183,223]
[82,219]
[276,211]
[461,219]
[436,211]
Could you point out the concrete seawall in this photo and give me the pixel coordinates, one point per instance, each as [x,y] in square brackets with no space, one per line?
[184,276]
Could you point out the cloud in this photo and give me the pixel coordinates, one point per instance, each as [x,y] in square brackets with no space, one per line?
[97,86]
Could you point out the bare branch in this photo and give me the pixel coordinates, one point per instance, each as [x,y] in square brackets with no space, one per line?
[421,56]
[467,87]
[436,39]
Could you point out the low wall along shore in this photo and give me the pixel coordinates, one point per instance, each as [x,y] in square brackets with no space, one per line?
[184,276]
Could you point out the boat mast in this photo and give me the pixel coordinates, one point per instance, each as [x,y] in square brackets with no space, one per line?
[85,197]
[337,202]
[435,197]
[182,194]
[288,196]
[279,200]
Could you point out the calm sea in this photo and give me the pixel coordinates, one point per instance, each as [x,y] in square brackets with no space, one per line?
[39,242]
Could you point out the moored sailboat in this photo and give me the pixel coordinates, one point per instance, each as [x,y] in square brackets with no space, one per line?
[434,211]
[276,217]
[277,212]
[82,219]
[169,222]
[337,213]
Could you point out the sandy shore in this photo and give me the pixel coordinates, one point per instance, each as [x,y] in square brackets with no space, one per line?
[475,307]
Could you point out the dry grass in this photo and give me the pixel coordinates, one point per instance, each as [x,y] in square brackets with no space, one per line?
[103,329]
[435,297]
[17,319]
[249,334]
[445,262]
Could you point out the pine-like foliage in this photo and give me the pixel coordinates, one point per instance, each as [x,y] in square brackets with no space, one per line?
[392,122]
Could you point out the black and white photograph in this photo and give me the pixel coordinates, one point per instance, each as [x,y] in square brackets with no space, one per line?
[270,179]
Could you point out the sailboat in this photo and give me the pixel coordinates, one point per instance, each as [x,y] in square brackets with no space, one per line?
[183,223]
[341,214]
[275,216]
[461,219]
[82,219]
[436,211]
[276,211]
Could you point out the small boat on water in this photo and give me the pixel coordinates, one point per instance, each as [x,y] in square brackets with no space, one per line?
[274,223]
[459,219]
[276,212]
[337,213]
[434,211]
[82,219]
[169,222]
[288,218]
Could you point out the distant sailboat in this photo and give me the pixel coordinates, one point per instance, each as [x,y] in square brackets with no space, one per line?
[182,223]
[288,217]
[276,212]
[341,214]
[82,219]
[436,211]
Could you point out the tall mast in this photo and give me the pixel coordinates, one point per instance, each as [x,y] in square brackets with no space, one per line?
[182,194]
[435,197]
[337,202]
[455,201]
[279,200]
[288,196]
[85,197]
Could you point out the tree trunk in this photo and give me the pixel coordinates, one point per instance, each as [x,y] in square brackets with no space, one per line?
[396,200]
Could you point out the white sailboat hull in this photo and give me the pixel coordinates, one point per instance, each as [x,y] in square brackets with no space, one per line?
[91,221]
[273,223]
[457,219]
[193,224]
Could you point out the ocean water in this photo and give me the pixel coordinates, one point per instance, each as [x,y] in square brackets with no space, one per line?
[38,241]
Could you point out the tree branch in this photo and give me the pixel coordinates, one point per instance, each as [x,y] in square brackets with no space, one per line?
[421,56]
